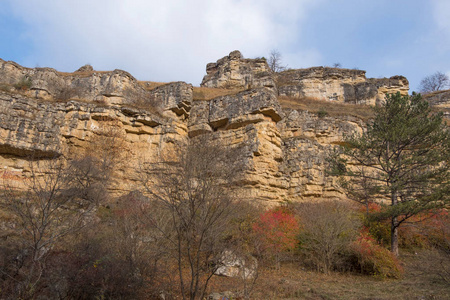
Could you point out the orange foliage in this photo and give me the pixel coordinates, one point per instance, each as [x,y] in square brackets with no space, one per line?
[374,259]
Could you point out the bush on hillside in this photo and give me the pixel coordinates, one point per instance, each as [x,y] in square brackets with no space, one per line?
[373,259]
[327,229]
[277,230]
[24,84]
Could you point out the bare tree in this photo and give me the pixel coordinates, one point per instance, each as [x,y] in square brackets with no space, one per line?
[435,82]
[53,201]
[124,250]
[94,168]
[51,206]
[275,61]
[192,188]
[328,228]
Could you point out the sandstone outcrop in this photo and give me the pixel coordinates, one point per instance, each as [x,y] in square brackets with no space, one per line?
[342,85]
[111,88]
[439,98]
[32,129]
[233,71]
[47,114]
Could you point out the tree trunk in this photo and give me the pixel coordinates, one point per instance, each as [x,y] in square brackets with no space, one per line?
[394,226]
[394,236]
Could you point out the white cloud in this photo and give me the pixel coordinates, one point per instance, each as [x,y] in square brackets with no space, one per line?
[441,14]
[159,40]
[302,59]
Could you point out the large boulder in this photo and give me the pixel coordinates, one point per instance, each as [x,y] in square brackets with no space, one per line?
[233,265]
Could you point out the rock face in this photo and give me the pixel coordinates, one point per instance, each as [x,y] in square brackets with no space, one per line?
[114,88]
[307,139]
[49,114]
[342,85]
[30,127]
[439,98]
[233,71]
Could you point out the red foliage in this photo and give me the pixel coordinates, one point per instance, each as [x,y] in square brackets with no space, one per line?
[277,228]
[426,229]
[365,243]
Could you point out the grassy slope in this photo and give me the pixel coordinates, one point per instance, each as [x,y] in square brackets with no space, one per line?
[333,109]
[294,282]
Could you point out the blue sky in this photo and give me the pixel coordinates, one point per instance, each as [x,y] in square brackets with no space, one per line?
[173,40]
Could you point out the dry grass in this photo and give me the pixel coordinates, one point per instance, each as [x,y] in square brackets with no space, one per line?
[293,282]
[82,74]
[333,109]
[204,93]
[151,85]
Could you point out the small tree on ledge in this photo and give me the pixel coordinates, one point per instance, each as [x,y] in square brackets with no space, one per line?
[275,61]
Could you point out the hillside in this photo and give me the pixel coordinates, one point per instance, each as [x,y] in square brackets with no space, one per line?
[116,188]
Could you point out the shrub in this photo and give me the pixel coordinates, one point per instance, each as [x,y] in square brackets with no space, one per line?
[322,113]
[412,236]
[327,229]
[277,230]
[24,84]
[373,259]
[428,229]
[67,93]
[424,230]
[378,229]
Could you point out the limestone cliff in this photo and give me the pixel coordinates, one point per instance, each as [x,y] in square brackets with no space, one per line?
[342,85]
[46,113]
[441,100]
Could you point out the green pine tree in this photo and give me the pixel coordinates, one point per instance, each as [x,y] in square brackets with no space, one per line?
[401,160]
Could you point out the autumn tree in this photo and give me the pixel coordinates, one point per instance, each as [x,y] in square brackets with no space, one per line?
[277,229]
[404,154]
[192,187]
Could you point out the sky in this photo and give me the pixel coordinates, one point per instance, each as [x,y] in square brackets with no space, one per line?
[173,40]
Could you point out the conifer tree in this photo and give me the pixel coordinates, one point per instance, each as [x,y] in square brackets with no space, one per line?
[400,160]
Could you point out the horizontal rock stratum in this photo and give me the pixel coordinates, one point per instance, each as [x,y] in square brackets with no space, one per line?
[283,142]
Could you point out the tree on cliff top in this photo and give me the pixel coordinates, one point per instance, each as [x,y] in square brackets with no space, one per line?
[275,61]
[405,154]
[435,82]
